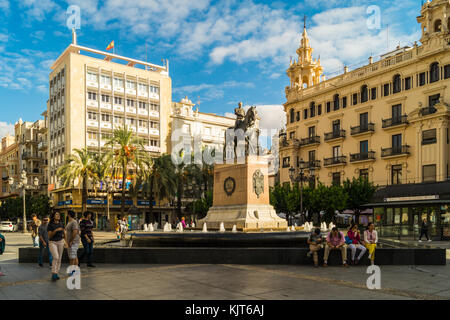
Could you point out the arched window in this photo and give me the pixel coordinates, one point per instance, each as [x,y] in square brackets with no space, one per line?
[434,72]
[336,102]
[397,84]
[291,115]
[438,25]
[364,94]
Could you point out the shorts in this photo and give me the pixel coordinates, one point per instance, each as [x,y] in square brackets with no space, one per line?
[73,250]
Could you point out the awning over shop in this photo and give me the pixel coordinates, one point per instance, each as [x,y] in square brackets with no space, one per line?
[412,194]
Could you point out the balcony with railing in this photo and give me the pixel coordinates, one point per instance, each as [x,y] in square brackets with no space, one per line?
[310,141]
[427,111]
[370,127]
[340,160]
[330,136]
[395,151]
[30,156]
[310,164]
[395,121]
[362,156]
[42,145]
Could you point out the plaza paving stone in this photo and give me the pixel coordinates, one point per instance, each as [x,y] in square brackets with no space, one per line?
[218,282]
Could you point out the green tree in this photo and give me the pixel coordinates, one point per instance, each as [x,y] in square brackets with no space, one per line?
[160,178]
[127,154]
[359,191]
[328,199]
[78,166]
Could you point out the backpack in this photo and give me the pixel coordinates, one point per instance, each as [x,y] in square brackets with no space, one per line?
[348,240]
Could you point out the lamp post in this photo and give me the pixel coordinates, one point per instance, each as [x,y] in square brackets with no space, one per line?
[109,189]
[299,177]
[23,185]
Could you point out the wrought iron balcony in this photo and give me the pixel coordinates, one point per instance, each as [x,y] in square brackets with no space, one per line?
[395,121]
[310,140]
[427,110]
[370,127]
[334,135]
[400,150]
[334,160]
[362,156]
[309,164]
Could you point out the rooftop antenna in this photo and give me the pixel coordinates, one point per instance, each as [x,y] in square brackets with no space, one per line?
[74,37]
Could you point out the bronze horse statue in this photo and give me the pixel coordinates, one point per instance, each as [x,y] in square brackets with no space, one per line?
[246,129]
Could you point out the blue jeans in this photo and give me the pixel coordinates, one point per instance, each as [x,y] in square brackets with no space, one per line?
[88,248]
[41,248]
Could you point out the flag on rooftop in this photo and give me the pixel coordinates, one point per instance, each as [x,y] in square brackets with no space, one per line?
[110,46]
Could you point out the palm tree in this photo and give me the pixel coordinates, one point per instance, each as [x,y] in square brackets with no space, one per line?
[78,166]
[160,178]
[127,153]
[102,173]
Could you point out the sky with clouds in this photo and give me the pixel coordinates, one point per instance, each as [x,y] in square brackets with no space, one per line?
[220,52]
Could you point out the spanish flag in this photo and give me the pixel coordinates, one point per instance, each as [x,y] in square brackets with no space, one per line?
[110,46]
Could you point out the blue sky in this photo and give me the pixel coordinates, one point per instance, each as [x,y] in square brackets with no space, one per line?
[220,52]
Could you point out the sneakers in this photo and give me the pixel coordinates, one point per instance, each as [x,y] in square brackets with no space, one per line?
[54,277]
[429,240]
[309,254]
[345,265]
[325,265]
[420,240]
[41,265]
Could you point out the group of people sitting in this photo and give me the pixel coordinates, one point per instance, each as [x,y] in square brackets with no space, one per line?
[336,240]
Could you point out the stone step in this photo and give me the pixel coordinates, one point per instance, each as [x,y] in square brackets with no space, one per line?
[245,256]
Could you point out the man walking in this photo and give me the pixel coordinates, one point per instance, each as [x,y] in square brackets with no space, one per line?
[87,238]
[72,238]
[424,230]
[43,241]
[34,230]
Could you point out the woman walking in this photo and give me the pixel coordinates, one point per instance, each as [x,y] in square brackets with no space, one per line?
[56,236]
[370,241]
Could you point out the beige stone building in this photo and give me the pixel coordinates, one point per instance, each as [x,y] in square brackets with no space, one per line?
[387,121]
[205,128]
[9,165]
[91,93]
[23,152]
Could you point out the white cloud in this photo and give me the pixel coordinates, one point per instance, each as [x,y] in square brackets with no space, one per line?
[208,92]
[37,9]
[6,128]
[272,117]
[4,6]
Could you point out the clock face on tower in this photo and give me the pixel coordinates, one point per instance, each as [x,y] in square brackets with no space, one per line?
[229,186]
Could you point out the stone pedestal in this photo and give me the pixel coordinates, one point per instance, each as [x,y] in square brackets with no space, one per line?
[241,197]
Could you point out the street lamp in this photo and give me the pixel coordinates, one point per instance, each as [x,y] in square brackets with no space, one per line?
[23,185]
[109,188]
[299,177]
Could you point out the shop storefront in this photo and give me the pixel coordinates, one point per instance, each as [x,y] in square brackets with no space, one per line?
[399,210]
